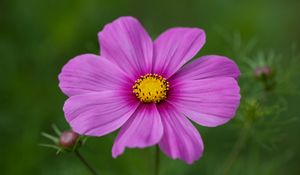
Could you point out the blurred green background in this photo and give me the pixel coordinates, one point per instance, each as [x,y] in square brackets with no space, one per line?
[37,37]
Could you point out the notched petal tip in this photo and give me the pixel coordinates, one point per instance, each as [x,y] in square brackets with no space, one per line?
[188,161]
[175,47]
[143,129]
[69,71]
[119,19]
[125,42]
[116,152]
[209,66]
[181,140]
[225,61]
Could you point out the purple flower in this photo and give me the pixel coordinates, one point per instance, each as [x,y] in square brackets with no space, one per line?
[149,90]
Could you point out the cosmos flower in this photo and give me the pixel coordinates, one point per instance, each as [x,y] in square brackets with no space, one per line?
[149,89]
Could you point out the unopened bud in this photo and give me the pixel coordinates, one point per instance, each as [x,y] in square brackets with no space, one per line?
[264,71]
[68,139]
[266,75]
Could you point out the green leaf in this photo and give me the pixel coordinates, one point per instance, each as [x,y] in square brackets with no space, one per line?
[50,146]
[56,130]
[48,136]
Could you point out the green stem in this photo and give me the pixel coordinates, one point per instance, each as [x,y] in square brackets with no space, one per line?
[236,150]
[157,160]
[83,160]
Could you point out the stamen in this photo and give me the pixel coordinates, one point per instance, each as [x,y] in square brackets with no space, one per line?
[151,88]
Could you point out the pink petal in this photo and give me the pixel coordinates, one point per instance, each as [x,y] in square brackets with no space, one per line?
[175,47]
[143,129]
[91,73]
[209,102]
[127,44]
[181,139]
[99,113]
[207,67]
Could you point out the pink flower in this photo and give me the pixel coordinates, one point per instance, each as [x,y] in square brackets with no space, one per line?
[149,89]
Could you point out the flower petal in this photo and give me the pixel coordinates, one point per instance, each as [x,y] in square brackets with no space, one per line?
[127,44]
[175,47]
[208,102]
[99,113]
[91,73]
[143,129]
[181,139]
[207,67]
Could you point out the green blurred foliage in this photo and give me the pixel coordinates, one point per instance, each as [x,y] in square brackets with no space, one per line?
[37,37]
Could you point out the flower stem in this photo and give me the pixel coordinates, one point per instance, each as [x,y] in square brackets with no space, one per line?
[83,160]
[157,160]
[239,145]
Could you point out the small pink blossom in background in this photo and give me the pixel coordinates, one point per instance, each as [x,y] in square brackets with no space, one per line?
[101,97]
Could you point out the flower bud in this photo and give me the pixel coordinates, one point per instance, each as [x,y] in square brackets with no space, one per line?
[264,71]
[266,75]
[68,139]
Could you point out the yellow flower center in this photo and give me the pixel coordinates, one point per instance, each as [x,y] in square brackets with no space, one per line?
[151,88]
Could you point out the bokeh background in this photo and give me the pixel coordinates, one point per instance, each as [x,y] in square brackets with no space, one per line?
[37,37]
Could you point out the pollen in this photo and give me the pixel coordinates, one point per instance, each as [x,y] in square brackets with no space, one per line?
[151,88]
